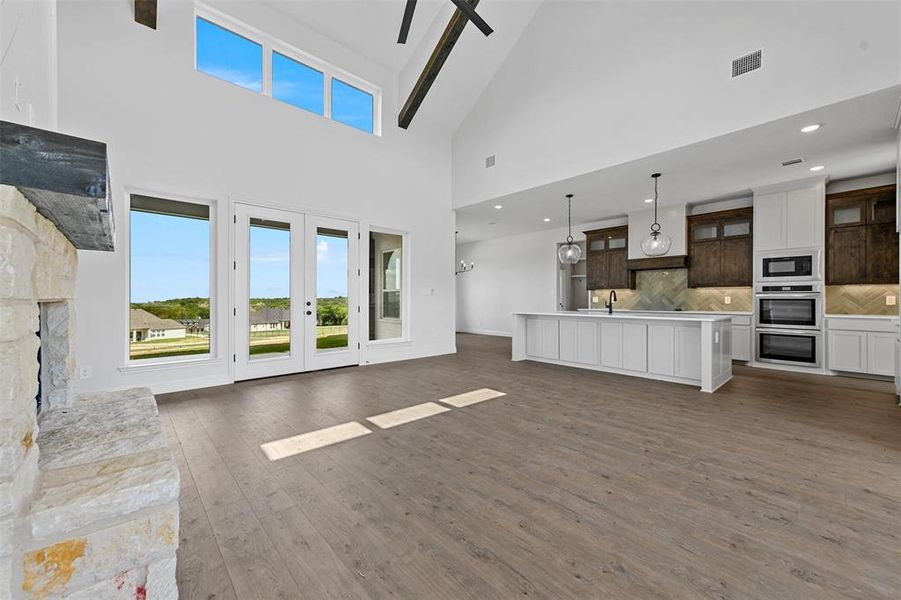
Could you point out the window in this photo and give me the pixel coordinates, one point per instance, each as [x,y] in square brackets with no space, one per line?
[170,283]
[239,54]
[385,286]
[229,56]
[296,83]
[351,106]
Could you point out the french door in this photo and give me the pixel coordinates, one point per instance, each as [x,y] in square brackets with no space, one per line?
[332,304]
[296,286]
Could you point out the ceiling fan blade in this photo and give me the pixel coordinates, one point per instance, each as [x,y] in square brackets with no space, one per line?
[473,16]
[405,24]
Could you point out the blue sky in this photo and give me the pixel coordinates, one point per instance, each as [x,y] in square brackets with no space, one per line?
[236,59]
[170,258]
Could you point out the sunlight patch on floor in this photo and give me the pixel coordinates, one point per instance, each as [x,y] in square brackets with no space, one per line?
[314,439]
[473,397]
[405,415]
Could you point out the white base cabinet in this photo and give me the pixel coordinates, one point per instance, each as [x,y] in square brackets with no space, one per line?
[861,345]
[692,349]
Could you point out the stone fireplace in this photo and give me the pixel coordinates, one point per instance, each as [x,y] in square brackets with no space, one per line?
[88,487]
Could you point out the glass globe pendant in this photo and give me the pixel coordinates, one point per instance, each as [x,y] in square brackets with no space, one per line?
[569,253]
[656,243]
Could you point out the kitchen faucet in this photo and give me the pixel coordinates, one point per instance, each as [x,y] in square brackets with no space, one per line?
[608,304]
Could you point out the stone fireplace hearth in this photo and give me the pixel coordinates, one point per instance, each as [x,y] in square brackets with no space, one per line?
[88,488]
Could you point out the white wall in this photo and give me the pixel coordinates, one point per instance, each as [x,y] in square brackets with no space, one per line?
[172,130]
[860,183]
[593,84]
[672,223]
[28,66]
[512,273]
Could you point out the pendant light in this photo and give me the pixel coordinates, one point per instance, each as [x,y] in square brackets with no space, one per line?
[656,243]
[569,253]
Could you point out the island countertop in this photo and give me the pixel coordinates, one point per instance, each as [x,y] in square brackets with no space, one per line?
[633,315]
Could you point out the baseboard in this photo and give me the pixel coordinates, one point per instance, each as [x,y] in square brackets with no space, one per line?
[486,332]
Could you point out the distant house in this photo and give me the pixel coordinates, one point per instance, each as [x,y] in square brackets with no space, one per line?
[270,319]
[196,326]
[146,326]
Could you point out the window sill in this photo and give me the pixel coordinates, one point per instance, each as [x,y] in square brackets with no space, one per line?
[169,364]
[391,342]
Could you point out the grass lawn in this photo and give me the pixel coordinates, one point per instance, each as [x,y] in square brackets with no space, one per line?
[267,348]
[162,353]
[332,341]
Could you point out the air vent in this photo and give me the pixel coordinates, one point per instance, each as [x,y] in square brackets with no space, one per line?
[794,161]
[746,63]
[489,162]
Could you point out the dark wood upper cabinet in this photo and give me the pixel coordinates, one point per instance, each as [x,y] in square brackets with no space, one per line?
[720,248]
[861,243]
[607,253]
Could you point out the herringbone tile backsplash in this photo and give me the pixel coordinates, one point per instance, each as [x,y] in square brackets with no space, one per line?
[860,299]
[668,290]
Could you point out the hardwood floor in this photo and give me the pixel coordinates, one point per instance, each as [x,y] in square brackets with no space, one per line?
[576,484]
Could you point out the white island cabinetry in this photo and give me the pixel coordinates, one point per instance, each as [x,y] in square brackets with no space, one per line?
[690,349]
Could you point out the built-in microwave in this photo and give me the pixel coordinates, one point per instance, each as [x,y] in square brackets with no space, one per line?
[789,347]
[795,266]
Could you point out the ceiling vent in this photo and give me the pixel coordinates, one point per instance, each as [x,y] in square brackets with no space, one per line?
[794,161]
[489,162]
[747,63]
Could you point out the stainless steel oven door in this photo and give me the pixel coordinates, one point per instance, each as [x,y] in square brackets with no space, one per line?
[788,311]
[789,347]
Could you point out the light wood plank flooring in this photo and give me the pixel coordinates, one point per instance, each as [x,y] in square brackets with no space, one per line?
[574,485]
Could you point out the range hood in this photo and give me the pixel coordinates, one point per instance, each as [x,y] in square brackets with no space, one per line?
[65,177]
[656,263]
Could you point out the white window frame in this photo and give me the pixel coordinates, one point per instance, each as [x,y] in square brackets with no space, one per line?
[272,44]
[405,290]
[191,359]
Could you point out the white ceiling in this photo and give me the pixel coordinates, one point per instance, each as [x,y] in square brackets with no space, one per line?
[857,138]
[368,27]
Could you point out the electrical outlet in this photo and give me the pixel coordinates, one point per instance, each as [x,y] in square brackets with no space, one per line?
[891,300]
[727,300]
[85,372]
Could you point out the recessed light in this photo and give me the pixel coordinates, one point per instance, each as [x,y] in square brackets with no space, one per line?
[817,168]
[547,220]
[810,128]
[648,200]
[498,206]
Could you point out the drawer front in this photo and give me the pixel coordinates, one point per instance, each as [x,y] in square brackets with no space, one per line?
[846,324]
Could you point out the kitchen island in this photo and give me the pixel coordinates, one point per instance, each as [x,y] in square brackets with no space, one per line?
[692,349]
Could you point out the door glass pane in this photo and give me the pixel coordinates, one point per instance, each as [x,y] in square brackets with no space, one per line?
[736,228]
[597,244]
[846,215]
[296,83]
[331,289]
[707,231]
[385,281]
[616,243]
[270,288]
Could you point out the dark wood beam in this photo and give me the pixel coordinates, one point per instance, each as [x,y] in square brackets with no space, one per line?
[473,16]
[430,72]
[145,12]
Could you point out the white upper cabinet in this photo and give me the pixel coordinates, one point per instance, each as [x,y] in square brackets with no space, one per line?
[789,217]
[769,221]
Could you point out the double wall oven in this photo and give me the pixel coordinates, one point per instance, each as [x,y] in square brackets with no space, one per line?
[788,309]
